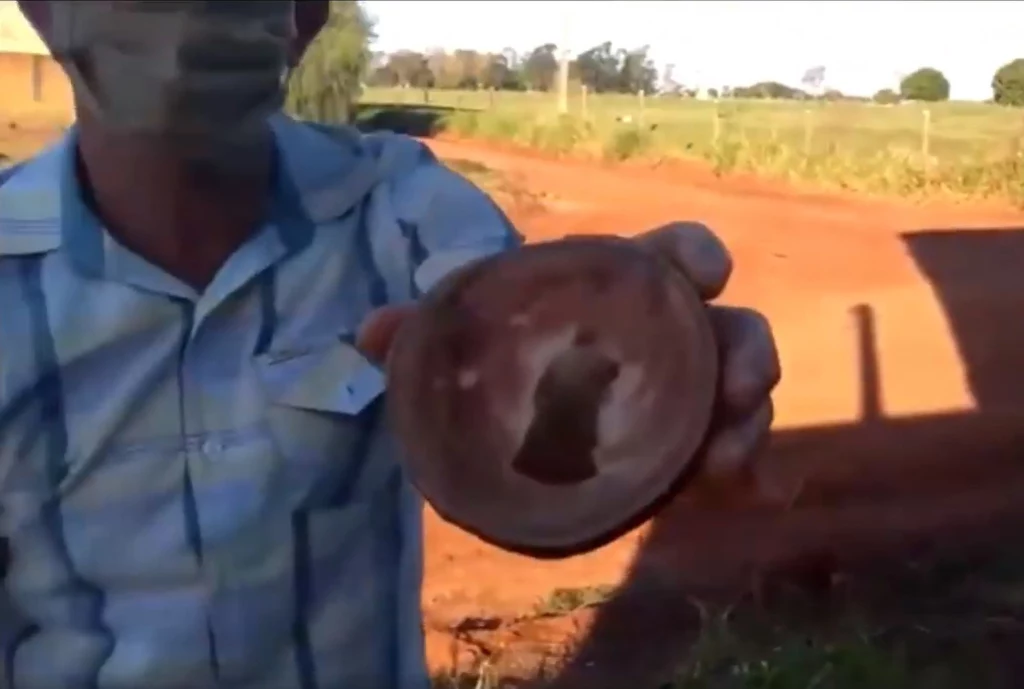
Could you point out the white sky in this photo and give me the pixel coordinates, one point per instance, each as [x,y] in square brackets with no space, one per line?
[865,45]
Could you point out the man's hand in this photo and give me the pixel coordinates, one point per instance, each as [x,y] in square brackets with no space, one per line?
[749,360]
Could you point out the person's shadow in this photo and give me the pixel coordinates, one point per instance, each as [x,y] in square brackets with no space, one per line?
[875,488]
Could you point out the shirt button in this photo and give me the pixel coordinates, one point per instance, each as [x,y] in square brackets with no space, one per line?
[211,448]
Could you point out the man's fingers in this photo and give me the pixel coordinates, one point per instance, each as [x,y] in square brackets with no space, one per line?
[750,370]
[378,330]
[750,361]
[696,251]
[735,447]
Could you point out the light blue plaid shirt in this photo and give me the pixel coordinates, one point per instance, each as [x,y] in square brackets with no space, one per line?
[200,490]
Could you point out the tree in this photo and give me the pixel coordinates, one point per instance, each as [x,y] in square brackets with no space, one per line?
[383,76]
[1008,83]
[668,83]
[407,66]
[511,58]
[540,68]
[926,84]
[599,68]
[637,72]
[325,85]
[442,67]
[500,75]
[814,78]
[423,77]
[769,89]
[886,97]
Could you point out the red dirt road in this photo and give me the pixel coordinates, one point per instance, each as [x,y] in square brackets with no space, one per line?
[901,412]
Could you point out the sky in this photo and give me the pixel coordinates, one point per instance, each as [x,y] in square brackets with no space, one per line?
[864,45]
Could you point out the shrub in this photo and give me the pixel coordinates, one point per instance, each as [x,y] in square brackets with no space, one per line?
[926,84]
[627,142]
[1008,83]
[325,85]
[886,97]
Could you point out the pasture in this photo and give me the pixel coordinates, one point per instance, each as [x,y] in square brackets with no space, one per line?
[956,150]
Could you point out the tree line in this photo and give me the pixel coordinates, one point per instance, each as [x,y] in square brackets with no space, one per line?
[604,68]
[327,82]
[607,69]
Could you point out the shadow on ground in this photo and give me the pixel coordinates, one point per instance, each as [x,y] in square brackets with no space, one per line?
[423,121]
[910,508]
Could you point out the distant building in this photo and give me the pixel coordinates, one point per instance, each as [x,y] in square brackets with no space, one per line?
[32,84]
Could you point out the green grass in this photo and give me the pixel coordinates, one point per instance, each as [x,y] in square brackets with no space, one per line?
[930,624]
[957,149]
[563,601]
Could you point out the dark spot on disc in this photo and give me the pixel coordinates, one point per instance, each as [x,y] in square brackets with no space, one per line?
[464,336]
[584,338]
[600,280]
[559,445]
[656,301]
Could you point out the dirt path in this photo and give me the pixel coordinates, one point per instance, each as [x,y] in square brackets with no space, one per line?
[902,403]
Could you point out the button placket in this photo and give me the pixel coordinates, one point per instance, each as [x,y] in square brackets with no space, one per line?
[211,448]
[200,450]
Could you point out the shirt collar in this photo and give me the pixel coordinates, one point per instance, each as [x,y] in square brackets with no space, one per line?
[328,170]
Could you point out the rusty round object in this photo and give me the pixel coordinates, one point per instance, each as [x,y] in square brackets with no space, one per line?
[551,398]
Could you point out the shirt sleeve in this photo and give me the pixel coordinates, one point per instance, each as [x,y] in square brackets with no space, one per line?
[447,220]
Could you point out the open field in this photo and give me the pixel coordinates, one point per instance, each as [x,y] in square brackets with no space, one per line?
[953,149]
[882,551]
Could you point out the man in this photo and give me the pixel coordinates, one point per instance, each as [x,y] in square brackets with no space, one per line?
[195,477]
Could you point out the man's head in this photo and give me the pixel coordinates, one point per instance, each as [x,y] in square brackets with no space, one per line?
[186,69]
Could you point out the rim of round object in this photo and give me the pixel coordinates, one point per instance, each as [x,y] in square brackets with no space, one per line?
[530,517]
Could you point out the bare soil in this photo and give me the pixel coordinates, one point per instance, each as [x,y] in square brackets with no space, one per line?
[899,422]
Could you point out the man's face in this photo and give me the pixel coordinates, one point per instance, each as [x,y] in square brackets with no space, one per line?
[308,16]
[186,68]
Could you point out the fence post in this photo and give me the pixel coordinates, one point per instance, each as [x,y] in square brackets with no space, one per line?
[583,100]
[926,136]
[716,126]
[808,131]
[643,104]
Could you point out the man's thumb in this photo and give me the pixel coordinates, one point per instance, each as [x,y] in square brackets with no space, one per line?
[377,331]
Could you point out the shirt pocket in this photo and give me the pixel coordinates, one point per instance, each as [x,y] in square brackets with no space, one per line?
[332,377]
[324,415]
